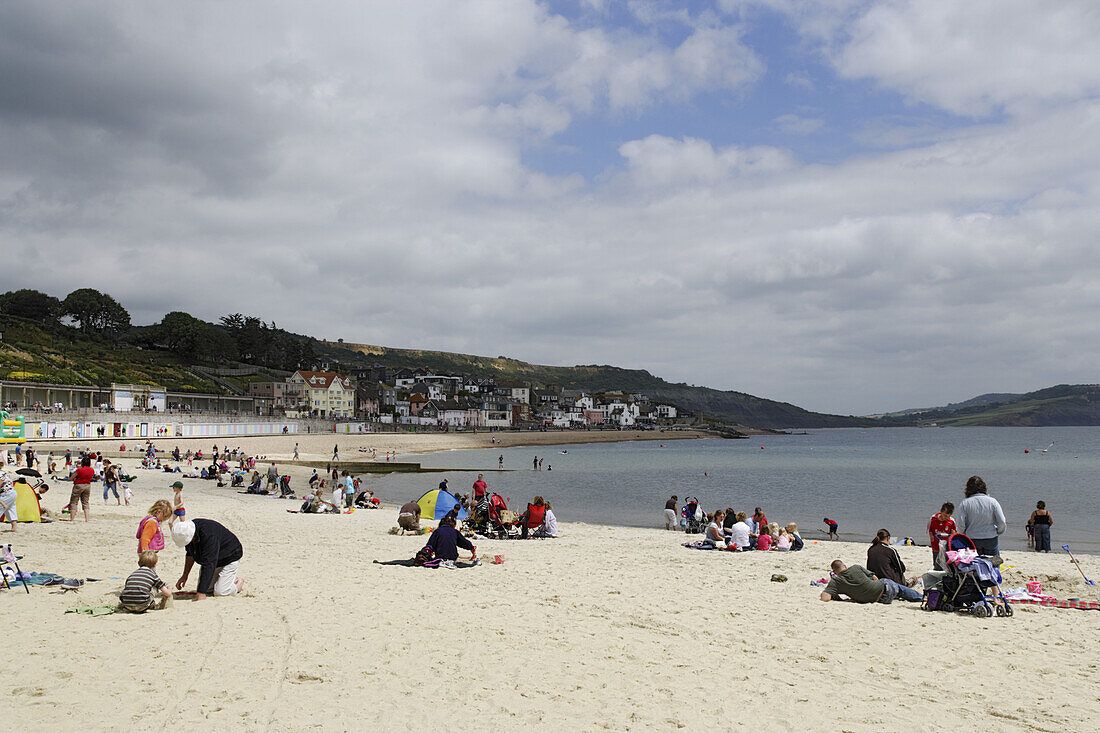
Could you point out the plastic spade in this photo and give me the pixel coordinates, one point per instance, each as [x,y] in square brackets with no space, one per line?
[1073,560]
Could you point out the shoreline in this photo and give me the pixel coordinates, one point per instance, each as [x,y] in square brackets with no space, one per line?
[318,446]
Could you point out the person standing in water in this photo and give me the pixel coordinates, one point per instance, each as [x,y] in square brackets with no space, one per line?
[1040,522]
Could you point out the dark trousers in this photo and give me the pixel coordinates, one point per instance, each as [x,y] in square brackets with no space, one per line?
[989,546]
[1042,537]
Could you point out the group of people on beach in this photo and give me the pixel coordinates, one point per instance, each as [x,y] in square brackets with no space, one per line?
[732,530]
[979,516]
[205,542]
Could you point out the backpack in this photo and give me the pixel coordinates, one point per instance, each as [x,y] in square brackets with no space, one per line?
[424,556]
[933,599]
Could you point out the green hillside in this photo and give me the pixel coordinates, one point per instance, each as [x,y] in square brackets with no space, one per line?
[33,351]
[1065,404]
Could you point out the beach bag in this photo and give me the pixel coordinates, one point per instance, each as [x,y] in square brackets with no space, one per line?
[933,599]
[424,556]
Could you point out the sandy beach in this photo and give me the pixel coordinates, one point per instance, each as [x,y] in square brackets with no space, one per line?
[604,628]
[318,446]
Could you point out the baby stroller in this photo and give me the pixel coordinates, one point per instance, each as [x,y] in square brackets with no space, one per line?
[493,519]
[972,582]
[693,518]
[284,487]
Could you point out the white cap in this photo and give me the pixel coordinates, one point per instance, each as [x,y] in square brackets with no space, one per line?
[183,532]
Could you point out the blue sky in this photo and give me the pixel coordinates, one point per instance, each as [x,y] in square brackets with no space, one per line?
[798,103]
[851,206]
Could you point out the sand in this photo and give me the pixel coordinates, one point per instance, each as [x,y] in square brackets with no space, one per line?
[603,628]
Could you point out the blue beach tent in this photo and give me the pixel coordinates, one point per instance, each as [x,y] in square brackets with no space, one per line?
[436,503]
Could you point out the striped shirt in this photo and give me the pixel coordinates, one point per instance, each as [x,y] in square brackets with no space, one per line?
[139,587]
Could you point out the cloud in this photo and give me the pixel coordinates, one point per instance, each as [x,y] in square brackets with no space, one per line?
[366,172]
[977,58]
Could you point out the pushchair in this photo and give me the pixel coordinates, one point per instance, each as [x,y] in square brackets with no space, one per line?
[693,518]
[492,518]
[972,582]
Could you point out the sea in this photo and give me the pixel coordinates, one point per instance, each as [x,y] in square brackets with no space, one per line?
[865,479]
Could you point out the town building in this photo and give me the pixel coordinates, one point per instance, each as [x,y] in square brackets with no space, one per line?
[325,394]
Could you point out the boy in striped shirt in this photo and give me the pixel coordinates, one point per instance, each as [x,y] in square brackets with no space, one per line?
[137,594]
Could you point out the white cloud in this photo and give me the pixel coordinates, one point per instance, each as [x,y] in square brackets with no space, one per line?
[976,58]
[363,170]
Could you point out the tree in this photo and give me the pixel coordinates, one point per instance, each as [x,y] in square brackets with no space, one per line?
[95,312]
[187,336]
[30,304]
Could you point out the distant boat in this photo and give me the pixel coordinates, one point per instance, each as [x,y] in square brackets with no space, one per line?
[1047,448]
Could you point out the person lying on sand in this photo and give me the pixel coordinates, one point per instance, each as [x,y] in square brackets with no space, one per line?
[862,587]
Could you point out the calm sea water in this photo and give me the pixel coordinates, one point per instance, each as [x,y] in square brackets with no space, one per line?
[863,478]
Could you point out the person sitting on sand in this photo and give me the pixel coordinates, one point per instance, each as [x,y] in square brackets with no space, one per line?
[8,496]
[366,499]
[314,503]
[739,532]
[445,541]
[408,518]
[714,535]
[863,587]
[137,593]
[218,553]
[883,560]
[549,526]
[763,537]
[782,539]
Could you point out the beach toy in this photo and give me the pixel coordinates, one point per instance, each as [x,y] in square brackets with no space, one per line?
[1073,560]
[498,559]
[1034,587]
[779,578]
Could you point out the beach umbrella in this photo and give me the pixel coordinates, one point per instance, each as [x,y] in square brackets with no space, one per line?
[436,503]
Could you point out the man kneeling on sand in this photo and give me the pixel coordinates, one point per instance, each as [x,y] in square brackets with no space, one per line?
[408,518]
[863,587]
[218,553]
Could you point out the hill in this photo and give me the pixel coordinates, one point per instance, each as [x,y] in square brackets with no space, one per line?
[732,407]
[52,353]
[1064,404]
[991,398]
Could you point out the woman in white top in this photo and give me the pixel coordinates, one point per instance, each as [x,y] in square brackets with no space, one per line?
[739,532]
[714,534]
[549,526]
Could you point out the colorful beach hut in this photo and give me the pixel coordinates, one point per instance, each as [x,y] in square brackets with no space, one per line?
[436,503]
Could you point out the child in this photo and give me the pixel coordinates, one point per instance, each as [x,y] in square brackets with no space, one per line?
[149,535]
[763,539]
[783,541]
[940,526]
[137,594]
[833,527]
[178,509]
[8,496]
[796,538]
[127,494]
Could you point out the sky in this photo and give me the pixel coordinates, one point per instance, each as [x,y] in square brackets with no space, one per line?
[853,207]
